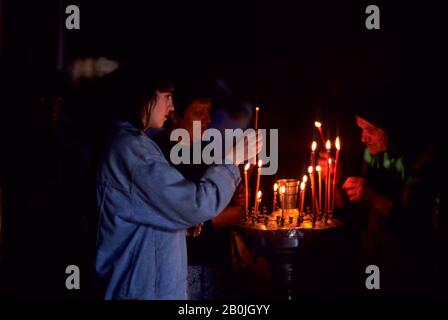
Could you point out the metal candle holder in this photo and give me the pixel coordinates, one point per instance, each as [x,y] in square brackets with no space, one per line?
[280,235]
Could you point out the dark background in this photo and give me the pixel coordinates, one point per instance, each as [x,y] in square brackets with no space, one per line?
[299,60]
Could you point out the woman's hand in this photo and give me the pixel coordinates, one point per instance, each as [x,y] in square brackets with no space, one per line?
[229,217]
[356,189]
[195,231]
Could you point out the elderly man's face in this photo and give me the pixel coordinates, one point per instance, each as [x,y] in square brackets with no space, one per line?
[373,137]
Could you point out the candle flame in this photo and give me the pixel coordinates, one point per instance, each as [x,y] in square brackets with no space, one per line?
[257,108]
[259,195]
[275,187]
[338,144]
[318,169]
[305,178]
[318,124]
[283,190]
[328,145]
[302,186]
[313,146]
[310,169]
[246,167]
[260,163]
[329,161]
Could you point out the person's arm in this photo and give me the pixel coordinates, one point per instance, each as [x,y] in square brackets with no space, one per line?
[359,192]
[158,193]
[164,198]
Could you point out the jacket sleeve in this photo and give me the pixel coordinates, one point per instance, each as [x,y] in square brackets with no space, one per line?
[164,198]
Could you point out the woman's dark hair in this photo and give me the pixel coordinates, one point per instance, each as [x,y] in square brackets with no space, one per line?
[129,89]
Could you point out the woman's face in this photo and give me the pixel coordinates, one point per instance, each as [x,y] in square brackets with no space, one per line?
[198,110]
[158,115]
[373,137]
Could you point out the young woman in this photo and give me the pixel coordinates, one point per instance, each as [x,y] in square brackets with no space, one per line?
[146,205]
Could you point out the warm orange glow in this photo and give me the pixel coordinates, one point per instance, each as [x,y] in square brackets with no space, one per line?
[283,190]
[257,108]
[318,169]
[259,195]
[328,145]
[246,167]
[275,187]
[310,169]
[318,124]
[338,144]
[302,186]
[260,163]
[329,161]
[313,146]
[305,179]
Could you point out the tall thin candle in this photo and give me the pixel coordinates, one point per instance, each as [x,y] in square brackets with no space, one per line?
[313,153]
[313,193]
[327,180]
[260,163]
[302,197]
[274,202]
[329,187]
[318,125]
[246,183]
[282,192]
[319,181]
[338,148]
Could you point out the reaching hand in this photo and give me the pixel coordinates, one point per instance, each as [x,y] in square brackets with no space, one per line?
[230,216]
[356,189]
[194,231]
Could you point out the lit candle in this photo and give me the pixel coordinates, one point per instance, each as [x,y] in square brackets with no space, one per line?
[302,195]
[256,117]
[328,147]
[259,194]
[329,187]
[327,180]
[313,195]
[274,205]
[338,148]
[318,125]
[305,180]
[283,198]
[256,129]
[260,163]
[313,152]
[319,181]
[246,182]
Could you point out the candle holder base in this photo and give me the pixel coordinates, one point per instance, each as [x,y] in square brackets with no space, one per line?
[286,245]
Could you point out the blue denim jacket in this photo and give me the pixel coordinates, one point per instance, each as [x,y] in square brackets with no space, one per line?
[145,206]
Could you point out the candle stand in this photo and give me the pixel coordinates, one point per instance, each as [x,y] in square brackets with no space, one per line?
[287,239]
